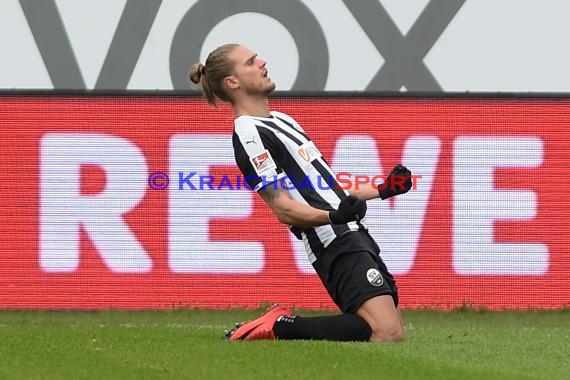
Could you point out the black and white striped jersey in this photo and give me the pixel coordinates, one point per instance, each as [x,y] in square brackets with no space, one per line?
[275,150]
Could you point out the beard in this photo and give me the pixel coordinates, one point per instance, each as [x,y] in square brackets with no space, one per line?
[271,89]
[264,90]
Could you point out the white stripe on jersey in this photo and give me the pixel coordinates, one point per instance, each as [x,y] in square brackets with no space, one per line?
[251,142]
[308,168]
[246,128]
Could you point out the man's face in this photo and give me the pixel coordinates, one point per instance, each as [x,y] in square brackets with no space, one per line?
[250,72]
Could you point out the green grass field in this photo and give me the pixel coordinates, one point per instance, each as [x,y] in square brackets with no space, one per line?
[186,344]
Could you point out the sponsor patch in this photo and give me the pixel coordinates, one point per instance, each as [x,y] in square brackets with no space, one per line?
[308,151]
[374,277]
[263,163]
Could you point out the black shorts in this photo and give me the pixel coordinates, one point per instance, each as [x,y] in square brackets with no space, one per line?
[353,272]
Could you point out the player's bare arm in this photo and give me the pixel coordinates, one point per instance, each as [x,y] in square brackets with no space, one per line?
[291,212]
[398,182]
[365,192]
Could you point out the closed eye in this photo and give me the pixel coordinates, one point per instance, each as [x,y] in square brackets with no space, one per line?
[252,59]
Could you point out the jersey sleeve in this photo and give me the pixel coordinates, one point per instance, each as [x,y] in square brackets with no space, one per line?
[256,154]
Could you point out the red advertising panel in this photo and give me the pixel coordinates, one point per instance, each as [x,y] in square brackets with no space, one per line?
[136,202]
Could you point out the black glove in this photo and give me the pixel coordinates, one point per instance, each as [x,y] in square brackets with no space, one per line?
[349,209]
[398,182]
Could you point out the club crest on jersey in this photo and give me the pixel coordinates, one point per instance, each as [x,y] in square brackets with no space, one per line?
[263,162]
[374,277]
[308,151]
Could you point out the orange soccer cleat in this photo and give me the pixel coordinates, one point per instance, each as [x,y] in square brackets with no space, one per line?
[260,328]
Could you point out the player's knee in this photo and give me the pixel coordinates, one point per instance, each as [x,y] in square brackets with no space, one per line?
[388,334]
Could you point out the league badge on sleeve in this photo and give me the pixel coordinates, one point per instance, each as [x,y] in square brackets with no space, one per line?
[263,163]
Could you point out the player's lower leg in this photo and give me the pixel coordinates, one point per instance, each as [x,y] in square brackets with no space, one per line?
[343,327]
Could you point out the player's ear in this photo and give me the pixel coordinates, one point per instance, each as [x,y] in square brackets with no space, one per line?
[231,82]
